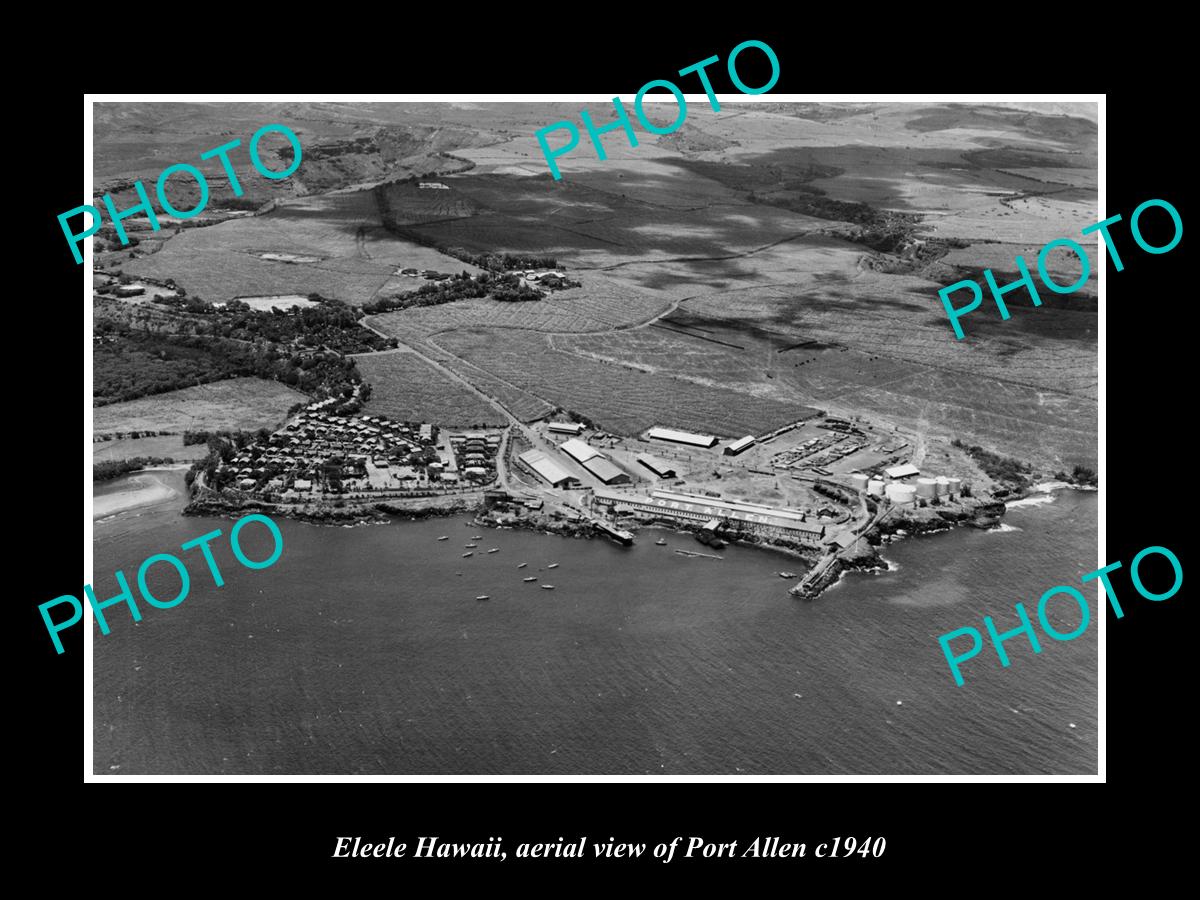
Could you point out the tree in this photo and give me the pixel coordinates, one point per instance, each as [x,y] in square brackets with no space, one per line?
[1083,475]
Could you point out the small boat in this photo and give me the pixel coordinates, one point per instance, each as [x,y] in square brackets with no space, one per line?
[787,574]
[661,542]
[552,566]
[444,537]
[522,565]
[494,550]
[468,553]
[483,597]
[547,587]
[476,537]
[470,546]
[531,578]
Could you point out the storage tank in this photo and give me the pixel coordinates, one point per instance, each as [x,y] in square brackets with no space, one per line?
[859,481]
[954,486]
[901,493]
[875,487]
[926,488]
[943,485]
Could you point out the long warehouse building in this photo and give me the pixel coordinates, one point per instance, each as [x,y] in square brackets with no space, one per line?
[740,445]
[606,470]
[659,467]
[546,469]
[681,437]
[578,450]
[594,461]
[764,520]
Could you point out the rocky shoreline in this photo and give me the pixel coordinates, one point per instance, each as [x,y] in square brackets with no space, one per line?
[864,555]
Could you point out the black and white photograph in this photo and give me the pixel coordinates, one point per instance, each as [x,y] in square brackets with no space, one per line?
[732,437]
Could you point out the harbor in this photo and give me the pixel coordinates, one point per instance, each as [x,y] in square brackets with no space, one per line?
[621,628]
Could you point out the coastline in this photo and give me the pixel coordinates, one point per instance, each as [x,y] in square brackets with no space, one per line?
[863,556]
[145,488]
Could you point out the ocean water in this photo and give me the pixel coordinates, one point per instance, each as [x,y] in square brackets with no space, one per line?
[363,651]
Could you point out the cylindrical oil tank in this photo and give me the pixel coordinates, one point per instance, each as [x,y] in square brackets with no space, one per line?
[943,485]
[926,488]
[901,493]
[954,485]
[859,481]
[875,487]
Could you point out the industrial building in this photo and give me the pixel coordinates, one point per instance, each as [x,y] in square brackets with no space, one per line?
[594,461]
[681,437]
[606,470]
[740,445]
[768,521]
[657,466]
[546,469]
[575,428]
[578,450]
[905,471]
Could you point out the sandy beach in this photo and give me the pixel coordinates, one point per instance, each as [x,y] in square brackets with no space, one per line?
[142,489]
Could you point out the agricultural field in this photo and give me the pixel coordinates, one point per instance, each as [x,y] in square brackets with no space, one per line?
[235,404]
[728,271]
[406,388]
[1027,385]
[619,399]
[168,446]
[599,305]
[334,245]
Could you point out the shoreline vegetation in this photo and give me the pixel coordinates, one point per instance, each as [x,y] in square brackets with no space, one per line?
[111,469]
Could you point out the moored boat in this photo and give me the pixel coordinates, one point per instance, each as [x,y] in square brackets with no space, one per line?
[468,553]
[547,587]
[494,550]
[552,566]
[531,578]
[483,597]
[444,537]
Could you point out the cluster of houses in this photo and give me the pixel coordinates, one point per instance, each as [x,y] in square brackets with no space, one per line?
[318,453]
[475,454]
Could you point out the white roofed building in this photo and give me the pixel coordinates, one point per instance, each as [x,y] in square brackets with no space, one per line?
[545,468]
[578,450]
[681,437]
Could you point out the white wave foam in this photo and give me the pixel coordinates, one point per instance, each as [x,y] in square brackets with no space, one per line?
[1003,528]
[1047,486]
[1030,501]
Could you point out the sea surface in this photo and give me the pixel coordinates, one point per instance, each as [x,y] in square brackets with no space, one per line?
[364,651]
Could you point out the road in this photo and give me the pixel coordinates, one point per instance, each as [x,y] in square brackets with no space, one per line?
[505,478]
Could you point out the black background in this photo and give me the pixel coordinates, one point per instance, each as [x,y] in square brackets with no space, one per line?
[960,836]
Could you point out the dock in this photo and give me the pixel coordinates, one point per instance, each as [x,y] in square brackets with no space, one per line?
[696,553]
[617,534]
